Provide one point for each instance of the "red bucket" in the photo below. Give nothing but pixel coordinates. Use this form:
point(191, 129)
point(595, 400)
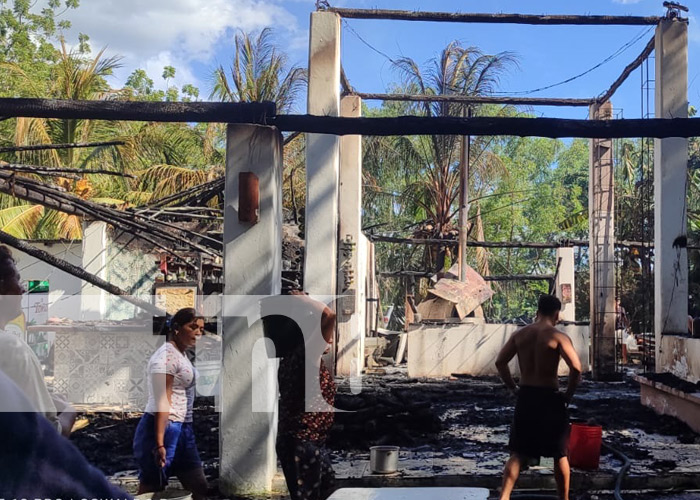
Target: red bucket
point(584, 446)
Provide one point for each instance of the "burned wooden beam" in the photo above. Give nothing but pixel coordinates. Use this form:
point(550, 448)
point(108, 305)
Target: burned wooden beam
point(215, 186)
point(466, 99)
point(50, 197)
point(648, 49)
point(291, 137)
point(198, 112)
point(76, 271)
point(58, 171)
point(480, 244)
point(449, 17)
point(510, 244)
point(43, 147)
point(490, 126)
point(344, 82)
point(263, 113)
point(507, 277)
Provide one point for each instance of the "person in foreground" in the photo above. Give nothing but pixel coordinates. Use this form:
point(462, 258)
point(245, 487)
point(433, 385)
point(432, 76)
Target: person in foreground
point(36, 461)
point(18, 361)
point(164, 441)
point(541, 422)
point(302, 433)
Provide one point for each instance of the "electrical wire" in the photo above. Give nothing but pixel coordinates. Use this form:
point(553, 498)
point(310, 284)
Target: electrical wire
point(359, 37)
point(614, 55)
point(580, 75)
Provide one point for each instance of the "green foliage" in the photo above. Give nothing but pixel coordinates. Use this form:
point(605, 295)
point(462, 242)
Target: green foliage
point(168, 73)
point(141, 85)
point(520, 189)
point(189, 92)
point(259, 72)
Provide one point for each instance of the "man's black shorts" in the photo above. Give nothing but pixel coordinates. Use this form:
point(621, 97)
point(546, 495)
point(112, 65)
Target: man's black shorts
point(541, 423)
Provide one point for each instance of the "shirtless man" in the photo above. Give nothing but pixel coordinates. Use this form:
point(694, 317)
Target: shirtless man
point(541, 423)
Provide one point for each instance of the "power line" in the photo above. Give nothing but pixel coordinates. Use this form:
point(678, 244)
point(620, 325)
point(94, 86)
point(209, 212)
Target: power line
point(615, 54)
point(359, 37)
point(604, 61)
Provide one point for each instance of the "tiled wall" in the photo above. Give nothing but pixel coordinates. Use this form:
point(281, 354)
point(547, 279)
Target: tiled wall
point(107, 366)
point(103, 367)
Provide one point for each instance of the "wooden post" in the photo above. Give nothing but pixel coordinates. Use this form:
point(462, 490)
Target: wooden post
point(464, 205)
point(601, 200)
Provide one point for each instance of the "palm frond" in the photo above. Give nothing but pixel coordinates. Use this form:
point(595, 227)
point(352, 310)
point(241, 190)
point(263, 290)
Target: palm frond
point(21, 221)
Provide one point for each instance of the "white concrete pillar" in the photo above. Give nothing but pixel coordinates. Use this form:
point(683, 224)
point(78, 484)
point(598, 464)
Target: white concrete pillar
point(670, 185)
point(601, 209)
point(350, 350)
point(93, 300)
point(565, 283)
point(252, 266)
point(322, 157)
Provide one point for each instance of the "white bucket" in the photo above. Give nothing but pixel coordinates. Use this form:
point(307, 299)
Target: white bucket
point(384, 459)
point(172, 494)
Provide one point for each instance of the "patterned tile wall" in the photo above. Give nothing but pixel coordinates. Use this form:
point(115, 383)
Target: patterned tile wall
point(104, 367)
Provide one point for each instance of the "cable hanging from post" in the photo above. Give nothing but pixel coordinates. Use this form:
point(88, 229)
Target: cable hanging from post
point(590, 70)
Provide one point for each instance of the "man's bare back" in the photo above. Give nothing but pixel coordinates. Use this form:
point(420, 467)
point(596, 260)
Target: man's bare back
point(541, 421)
point(539, 348)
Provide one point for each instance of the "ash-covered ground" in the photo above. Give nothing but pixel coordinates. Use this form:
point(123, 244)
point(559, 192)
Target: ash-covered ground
point(442, 426)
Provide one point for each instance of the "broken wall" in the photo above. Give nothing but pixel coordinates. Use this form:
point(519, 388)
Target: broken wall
point(132, 266)
point(472, 348)
point(64, 288)
point(129, 265)
point(681, 357)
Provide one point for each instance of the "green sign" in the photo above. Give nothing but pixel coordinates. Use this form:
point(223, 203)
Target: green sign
point(37, 286)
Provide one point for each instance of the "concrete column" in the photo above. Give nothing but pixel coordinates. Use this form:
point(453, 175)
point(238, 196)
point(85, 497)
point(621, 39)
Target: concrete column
point(323, 163)
point(349, 315)
point(670, 185)
point(322, 157)
point(252, 266)
point(565, 283)
point(93, 300)
point(601, 200)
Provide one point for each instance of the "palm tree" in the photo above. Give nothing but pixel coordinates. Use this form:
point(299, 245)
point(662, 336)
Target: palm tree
point(259, 72)
point(432, 184)
point(73, 77)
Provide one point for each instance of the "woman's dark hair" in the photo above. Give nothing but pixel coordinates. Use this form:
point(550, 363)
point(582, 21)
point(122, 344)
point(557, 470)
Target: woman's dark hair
point(182, 317)
point(284, 333)
point(7, 265)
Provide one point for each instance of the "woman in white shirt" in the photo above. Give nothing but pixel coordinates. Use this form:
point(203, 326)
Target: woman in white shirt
point(164, 441)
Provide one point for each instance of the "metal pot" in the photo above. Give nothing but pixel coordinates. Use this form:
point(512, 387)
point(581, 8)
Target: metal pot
point(384, 459)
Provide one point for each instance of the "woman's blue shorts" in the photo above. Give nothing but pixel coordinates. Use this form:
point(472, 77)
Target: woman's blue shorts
point(181, 450)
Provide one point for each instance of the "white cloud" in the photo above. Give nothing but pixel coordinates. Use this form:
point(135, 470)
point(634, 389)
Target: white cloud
point(158, 33)
point(627, 2)
point(154, 67)
point(192, 28)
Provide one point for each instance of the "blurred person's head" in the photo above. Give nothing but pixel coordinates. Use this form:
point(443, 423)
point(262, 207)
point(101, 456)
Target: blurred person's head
point(548, 307)
point(11, 288)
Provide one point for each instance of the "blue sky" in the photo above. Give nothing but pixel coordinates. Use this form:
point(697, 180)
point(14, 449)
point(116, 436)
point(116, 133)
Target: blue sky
point(196, 35)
